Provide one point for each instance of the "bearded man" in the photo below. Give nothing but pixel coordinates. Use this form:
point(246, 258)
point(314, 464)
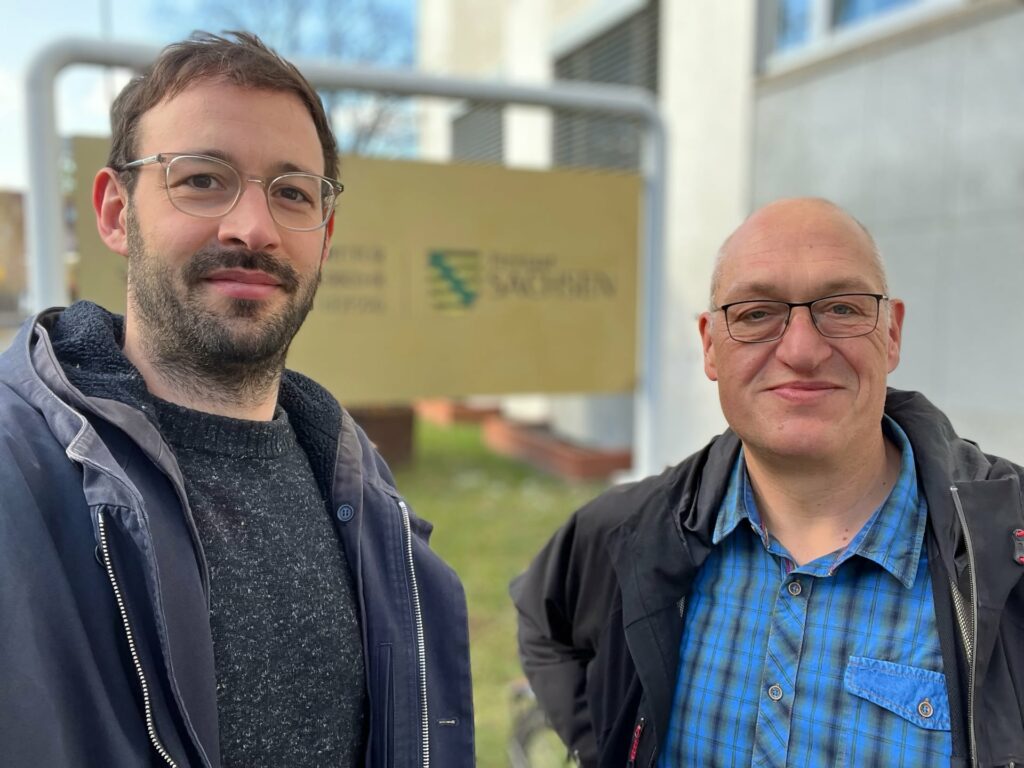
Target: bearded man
point(203, 560)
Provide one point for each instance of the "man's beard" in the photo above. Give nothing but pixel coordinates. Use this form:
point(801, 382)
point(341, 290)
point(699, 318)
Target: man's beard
point(231, 356)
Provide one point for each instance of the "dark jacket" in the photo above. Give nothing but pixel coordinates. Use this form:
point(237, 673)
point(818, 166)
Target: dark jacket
point(106, 656)
point(601, 607)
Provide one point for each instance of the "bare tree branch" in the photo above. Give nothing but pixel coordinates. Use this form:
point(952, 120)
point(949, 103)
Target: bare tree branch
point(349, 31)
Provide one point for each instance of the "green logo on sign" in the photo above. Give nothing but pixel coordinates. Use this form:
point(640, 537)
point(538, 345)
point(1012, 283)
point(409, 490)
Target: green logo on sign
point(454, 279)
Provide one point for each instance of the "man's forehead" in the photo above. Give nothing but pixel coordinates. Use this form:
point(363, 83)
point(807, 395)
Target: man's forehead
point(810, 242)
point(779, 289)
point(777, 273)
point(797, 222)
point(226, 120)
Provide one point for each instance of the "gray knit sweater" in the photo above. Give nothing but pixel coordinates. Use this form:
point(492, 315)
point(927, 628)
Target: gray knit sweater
point(286, 636)
point(284, 616)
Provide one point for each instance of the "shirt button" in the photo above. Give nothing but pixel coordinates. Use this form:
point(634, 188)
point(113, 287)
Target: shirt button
point(795, 589)
point(925, 709)
point(775, 693)
point(346, 512)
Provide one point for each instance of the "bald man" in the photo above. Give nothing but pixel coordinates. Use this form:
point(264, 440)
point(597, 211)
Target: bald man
point(836, 580)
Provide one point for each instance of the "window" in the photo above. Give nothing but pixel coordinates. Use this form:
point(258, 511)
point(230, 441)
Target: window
point(851, 11)
point(789, 26)
point(794, 26)
point(478, 135)
point(626, 54)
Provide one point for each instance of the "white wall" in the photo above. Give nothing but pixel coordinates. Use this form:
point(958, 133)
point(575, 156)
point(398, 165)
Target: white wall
point(707, 65)
point(434, 48)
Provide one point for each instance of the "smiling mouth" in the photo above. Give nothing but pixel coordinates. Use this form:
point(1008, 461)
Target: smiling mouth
point(803, 391)
point(243, 283)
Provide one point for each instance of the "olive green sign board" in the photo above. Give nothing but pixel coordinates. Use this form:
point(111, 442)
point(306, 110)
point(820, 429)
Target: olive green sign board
point(448, 280)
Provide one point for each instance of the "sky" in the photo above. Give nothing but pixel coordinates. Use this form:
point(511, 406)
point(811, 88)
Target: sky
point(82, 92)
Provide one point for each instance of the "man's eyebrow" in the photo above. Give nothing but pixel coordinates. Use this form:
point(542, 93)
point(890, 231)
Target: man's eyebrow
point(762, 290)
point(285, 167)
point(278, 168)
point(217, 153)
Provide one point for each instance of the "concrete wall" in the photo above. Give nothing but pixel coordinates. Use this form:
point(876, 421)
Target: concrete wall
point(707, 66)
point(922, 138)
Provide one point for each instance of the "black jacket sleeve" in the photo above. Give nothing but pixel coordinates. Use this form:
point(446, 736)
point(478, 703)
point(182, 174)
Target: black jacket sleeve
point(564, 600)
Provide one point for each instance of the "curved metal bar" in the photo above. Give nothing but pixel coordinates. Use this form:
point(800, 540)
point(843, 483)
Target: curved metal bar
point(44, 209)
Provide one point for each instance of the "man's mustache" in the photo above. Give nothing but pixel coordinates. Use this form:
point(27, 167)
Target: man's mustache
point(209, 260)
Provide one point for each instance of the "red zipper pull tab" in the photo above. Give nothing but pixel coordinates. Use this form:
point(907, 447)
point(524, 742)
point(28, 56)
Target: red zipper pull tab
point(634, 747)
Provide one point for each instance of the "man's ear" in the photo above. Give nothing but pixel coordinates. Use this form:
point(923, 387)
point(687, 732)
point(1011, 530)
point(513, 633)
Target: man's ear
point(897, 309)
point(110, 201)
point(705, 325)
point(328, 234)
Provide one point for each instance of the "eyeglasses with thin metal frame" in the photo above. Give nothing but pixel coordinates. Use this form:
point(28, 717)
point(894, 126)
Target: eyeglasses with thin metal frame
point(208, 187)
point(840, 316)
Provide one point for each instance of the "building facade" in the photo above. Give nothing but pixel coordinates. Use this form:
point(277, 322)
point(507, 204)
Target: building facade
point(907, 112)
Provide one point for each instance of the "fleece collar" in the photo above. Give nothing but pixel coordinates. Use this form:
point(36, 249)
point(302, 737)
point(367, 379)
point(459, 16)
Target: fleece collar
point(88, 340)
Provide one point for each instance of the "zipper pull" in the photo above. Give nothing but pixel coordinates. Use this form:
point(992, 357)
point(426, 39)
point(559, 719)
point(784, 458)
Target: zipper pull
point(634, 747)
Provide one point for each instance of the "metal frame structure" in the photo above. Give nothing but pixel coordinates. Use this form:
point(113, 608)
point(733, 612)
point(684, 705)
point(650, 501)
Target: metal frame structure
point(45, 226)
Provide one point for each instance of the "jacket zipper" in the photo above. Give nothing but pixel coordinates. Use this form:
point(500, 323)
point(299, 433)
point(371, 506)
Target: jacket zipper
point(641, 724)
point(638, 730)
point(968, 624)
point(147, 705)
point(421, 645)
point(634, 745)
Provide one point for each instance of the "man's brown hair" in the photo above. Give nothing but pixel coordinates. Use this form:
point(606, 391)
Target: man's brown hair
point(240, 58)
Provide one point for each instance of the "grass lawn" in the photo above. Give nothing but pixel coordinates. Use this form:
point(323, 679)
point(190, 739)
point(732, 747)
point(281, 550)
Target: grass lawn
point(490, 516)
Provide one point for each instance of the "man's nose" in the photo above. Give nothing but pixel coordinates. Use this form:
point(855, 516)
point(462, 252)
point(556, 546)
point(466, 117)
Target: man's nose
point(802, 347)
point(249, 223)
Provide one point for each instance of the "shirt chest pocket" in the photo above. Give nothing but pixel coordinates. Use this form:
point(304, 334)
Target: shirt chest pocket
point(895, 714)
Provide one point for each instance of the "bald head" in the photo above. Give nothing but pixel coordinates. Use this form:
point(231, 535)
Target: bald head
point(810, 219)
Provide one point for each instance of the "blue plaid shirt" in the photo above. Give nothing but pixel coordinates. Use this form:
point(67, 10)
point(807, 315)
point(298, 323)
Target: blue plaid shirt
point(835, 662)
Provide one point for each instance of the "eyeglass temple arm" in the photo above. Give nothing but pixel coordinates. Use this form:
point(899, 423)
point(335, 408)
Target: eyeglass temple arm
point(142, 161)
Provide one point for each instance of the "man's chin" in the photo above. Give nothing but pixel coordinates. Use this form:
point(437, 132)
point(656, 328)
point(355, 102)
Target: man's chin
point(230, 308)
point(245, 331)
point(243, 334)
point(798, 439)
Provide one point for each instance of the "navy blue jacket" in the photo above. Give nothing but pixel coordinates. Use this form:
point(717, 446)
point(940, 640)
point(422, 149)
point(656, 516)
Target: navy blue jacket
point(106, 657)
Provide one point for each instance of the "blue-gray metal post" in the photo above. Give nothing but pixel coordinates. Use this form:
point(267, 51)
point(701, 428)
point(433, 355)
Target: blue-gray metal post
point(44, 211)
point(45, 228)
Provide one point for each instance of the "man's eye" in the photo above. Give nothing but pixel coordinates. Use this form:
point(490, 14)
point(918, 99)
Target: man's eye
point(203, 181)
point(843, 310)
point(293, 196)
point(291, 193)
point(756, 314)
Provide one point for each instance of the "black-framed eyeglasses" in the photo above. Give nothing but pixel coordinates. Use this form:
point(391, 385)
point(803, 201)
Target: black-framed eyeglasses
point(841, 316)
point(210, 188)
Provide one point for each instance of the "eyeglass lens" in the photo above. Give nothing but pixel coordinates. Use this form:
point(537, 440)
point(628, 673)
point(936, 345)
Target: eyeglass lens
point(835, 316)
point(205, 187)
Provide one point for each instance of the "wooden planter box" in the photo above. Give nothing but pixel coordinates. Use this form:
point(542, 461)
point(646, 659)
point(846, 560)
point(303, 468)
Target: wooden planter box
point(391, 428)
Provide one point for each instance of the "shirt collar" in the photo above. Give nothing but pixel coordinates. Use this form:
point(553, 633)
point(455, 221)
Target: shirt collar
point(892, 536)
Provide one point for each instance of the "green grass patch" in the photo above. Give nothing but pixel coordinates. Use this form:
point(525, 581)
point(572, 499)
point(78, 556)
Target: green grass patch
point(491, 516)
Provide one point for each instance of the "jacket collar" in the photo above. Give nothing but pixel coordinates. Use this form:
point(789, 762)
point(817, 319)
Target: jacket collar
point(989, 489)
point(337, 449)
point(989, 486)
